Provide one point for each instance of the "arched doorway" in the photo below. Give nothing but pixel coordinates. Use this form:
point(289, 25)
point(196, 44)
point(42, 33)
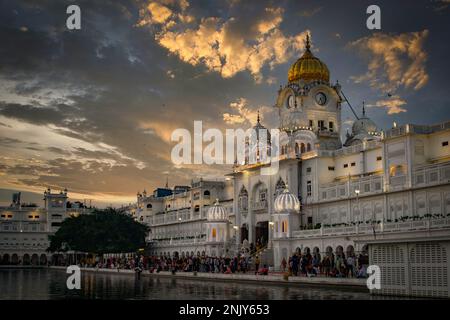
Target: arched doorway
point(26, 259)
point(5, 259)
point(365, 249)
point(262, 232)
point(339, 251)
point(350, 251)
point(15, 259)
point(43, 259)
point(316, 255)
point(34, 259)
point(244, 232)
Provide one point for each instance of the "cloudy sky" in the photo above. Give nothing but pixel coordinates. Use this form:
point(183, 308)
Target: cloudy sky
point(93, 109)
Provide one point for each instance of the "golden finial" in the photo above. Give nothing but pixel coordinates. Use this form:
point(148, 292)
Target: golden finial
point(308, 45)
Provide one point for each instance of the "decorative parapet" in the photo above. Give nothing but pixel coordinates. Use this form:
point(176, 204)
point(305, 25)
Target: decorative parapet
point(413, 128)
point(383, 228)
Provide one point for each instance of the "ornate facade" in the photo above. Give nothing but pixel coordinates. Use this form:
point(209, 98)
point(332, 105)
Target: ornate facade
point(24, 229)
point(392, 184)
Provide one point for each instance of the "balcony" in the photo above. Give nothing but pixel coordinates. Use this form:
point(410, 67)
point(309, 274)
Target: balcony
point(383, 228)
point(358, 148)
point(419, 129)
point(259, 206)
point(341, 190)
point(177, 217)
point(179, 242)
point(431, 175)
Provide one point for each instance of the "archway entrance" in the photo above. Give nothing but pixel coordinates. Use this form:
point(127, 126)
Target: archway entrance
point(244, 232)
point(262, 233)
point(43, 259)
point(34, 259)
point(26, 259)
point(15, 259)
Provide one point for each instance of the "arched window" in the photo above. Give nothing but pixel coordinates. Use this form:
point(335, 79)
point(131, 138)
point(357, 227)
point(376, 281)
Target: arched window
point(284, 226)
point(206, 194)
point(243, 199)
point(197, 208)
point(149, 206)
point(297, 149)
point(214, 233)
point(279, 187)
point(308, 147)
point(302, 148)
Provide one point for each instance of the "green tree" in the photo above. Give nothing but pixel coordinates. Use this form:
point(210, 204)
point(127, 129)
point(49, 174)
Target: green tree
point(102, 231)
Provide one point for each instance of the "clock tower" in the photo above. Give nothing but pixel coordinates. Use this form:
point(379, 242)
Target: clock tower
point(309, 106)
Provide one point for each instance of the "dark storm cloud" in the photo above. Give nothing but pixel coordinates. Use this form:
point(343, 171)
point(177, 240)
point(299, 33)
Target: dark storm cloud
point(33, 114)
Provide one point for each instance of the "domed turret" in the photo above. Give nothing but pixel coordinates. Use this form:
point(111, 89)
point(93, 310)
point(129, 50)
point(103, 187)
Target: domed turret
point(308, 67)
point(364, 124)
point(363, 129)
point(286, 202)
point(256, 130)
point(217, 212)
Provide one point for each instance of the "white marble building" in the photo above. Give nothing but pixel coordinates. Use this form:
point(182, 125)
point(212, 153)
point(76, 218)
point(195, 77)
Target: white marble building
point(24, 230)
point(388, 184)
point(178, 218)
point(374, 185)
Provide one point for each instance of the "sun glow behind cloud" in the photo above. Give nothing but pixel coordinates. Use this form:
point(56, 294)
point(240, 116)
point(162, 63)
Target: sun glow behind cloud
point(214, 43)
point(396, 62)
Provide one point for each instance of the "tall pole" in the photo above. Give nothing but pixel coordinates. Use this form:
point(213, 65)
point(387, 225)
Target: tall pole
point(351, 108)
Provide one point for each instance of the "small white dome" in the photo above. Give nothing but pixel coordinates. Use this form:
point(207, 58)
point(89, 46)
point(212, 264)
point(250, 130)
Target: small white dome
point(286, 202)
point(217, 212)
point(364, 125)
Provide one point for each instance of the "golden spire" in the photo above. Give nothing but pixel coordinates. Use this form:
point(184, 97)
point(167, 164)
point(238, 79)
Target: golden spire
point(308, 45)
point(308, 67)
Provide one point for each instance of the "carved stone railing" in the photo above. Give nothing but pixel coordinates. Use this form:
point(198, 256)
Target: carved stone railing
point(260, 205)
point(386, 227)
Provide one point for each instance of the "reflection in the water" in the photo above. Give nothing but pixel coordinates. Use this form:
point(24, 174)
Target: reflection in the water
point(46, 284)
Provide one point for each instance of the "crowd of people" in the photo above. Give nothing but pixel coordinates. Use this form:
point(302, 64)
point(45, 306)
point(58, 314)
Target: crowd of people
point(210, 264)
point(298, 264)
point(331, 265)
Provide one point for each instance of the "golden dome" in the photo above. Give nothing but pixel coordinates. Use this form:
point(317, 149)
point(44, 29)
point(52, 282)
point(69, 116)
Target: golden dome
point(308, 67)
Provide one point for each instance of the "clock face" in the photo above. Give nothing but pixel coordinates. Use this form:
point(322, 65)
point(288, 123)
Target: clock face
point(291, 101)
point(321, 98)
